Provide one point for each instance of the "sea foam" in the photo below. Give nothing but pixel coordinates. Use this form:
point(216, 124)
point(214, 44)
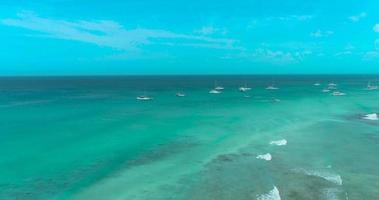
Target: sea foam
point(272, 195)
point(331, 194)
point(279, 142)
point(372, 116)
point(266, 156)
point(331, 177)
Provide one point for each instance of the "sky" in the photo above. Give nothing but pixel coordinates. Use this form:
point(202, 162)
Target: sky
point(92, 37)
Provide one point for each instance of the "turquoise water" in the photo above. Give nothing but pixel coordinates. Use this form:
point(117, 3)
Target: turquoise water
point(88, 138)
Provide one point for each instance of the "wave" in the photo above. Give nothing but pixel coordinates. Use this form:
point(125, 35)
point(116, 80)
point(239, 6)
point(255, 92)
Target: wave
point(25, 103)
point(272, 195)
point(279, 142)
point(331, 177)
point(334, 194)
point(266, 156)
point(372, 116)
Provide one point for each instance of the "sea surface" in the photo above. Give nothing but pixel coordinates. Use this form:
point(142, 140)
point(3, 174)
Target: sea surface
point(87, 138)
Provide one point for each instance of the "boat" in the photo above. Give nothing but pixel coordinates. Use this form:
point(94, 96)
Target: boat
point(214, 91)
point(325, 90)
point(332, 86)
point(337, 93)
point(317, 84)
point(144, 98)
point(371, 87)
point(271, 87)
point(244, 89)
point(372, 116)
point(219, 88)
point(180, 94)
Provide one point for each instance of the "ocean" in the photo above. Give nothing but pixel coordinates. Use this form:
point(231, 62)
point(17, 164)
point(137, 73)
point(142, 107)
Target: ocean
point(89, 138)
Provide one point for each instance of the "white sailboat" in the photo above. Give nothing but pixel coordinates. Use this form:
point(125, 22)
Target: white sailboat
point(337, 93)
point(332, 86)
point(180, 94)
point(244, 88)
point(325, 90)
point(272, 87)
point(218, 87)
point(371, 87)
point(144, 98)
point(214, 91)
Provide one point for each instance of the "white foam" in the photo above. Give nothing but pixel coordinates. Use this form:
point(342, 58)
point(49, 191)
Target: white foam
point(331, 194)
point(372, 116)
point(266, 156)
point(331, 177)
point(279, 142)
point(272, 195)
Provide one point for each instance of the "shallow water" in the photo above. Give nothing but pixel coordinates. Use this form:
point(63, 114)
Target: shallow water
point(88, 138)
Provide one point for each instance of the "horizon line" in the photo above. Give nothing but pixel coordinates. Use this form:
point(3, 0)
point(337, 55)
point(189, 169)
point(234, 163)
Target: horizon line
point(136, 75)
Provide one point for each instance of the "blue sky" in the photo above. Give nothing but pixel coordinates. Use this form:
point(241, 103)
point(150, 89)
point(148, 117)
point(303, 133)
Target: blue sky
point(57, 37)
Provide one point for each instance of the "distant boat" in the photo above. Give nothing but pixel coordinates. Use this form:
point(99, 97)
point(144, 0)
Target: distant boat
point(214, 91)
point(332, 86)
point(317, 84)
point(144, 98)
point(180, 94)
point(219, 88)
point(371, 87)
point(337, 93)
point(272, 87)
point(244, 88)
point(325, 90)
point(372, 116)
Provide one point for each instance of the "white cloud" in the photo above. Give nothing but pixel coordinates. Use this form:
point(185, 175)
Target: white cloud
point(371, 55)
point(276, 56)
point(376, 28)
point(300, 55)
point(265, 54)
point(349, 47)
point(374, 54)
point(292, 17)
point(348, 50)
point(343, 53)
point(207, 30)
point(210, 30)
point(357, 18)
point(320, 33)
point(303, 17)
point(109, 33)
